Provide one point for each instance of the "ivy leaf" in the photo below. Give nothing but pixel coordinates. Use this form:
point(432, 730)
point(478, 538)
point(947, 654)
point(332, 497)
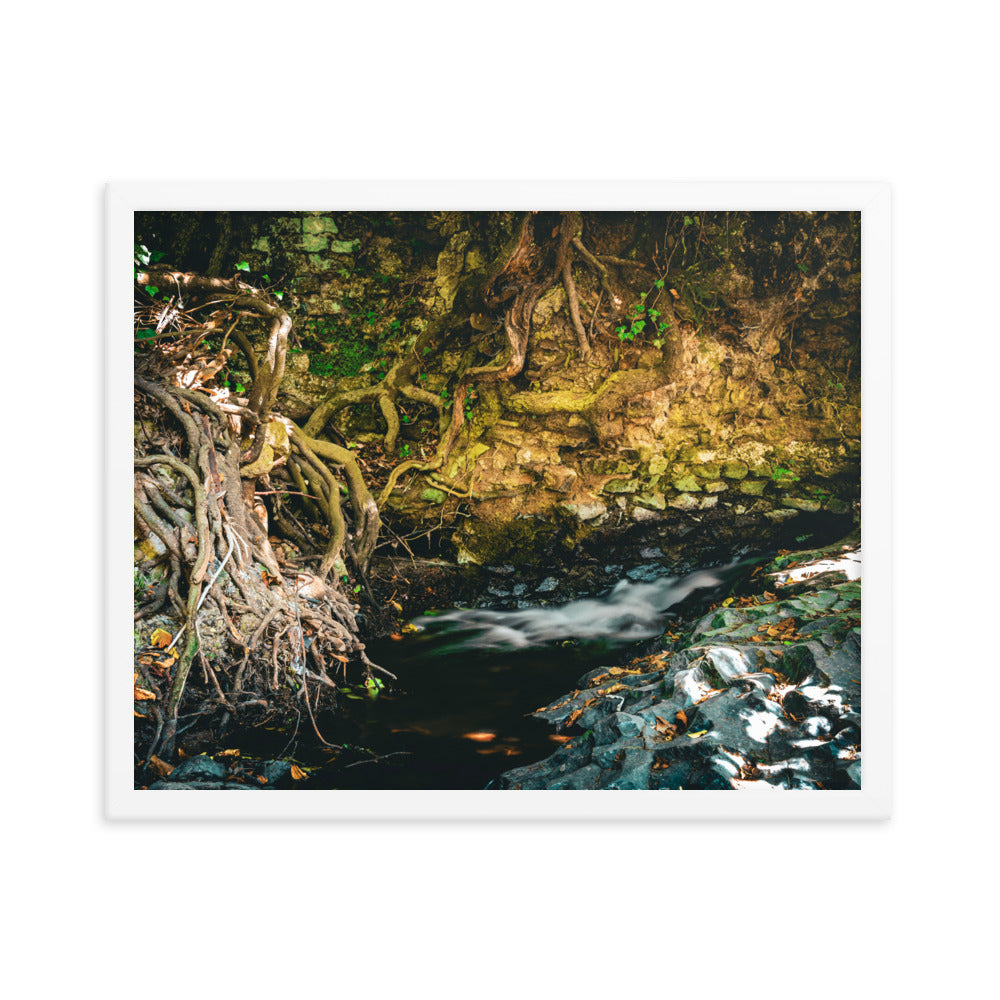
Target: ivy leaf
point(145, 334)
point(242, 266)
point(152, 289)
point(279, 295)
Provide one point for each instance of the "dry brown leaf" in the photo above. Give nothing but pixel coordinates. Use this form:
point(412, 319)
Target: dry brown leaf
point(141, 694)
point(483, 737)
point(161, 767)
point(297, 773)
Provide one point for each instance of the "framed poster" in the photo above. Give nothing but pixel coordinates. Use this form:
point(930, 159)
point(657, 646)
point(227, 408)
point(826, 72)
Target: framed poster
point(449, 498)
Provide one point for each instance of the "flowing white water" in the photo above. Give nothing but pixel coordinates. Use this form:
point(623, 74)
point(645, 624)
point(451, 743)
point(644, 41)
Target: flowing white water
point(629, 613)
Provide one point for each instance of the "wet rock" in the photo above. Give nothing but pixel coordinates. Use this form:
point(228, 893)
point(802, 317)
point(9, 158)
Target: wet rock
point(165, 785)
point(641, 515)
point(780, 515)
point(687, 484)
point(315, 225)
point(802, 503)
point(621, 486)
point(684, 501)
point(201, 768)
point(707, 717)
point(584, 511)
point(652, 501)
point(275, 770)
point(559, 478)
point(735, 470)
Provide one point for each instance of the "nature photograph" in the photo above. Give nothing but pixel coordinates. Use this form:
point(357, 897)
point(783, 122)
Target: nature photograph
point(501, 500)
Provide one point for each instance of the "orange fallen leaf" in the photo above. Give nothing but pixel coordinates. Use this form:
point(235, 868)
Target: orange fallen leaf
point(141, 694)
point(682, 716)
point(483, 737)
point(297, 773)
point(161, 767)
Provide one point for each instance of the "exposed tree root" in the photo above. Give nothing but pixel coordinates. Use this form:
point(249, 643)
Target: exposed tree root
point(274, 629)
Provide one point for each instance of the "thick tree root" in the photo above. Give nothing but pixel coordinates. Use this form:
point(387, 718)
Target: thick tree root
point(283, 629)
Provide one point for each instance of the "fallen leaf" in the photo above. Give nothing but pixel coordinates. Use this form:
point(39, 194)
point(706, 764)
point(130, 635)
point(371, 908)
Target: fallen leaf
point(483, 737)
point(141, 694)
point(297, 773)
point(161, 767)
point(161, 638)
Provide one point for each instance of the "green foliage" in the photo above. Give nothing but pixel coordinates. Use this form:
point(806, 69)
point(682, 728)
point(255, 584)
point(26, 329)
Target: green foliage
point(142, 256)
point(370, 689)
point(644, 317)
point(781, 473)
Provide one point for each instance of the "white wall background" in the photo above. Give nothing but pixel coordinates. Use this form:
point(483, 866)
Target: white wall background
point(727, 91)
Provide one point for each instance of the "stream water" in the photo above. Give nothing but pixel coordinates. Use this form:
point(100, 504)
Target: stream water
point(459, 713)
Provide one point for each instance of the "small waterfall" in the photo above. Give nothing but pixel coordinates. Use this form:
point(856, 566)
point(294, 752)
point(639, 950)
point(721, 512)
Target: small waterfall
point(631, 612)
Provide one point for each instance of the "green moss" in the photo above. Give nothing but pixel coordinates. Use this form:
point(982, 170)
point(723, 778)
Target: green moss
point(514, 542)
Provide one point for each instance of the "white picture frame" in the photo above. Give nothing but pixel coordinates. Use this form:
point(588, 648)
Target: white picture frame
point(873, 801)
